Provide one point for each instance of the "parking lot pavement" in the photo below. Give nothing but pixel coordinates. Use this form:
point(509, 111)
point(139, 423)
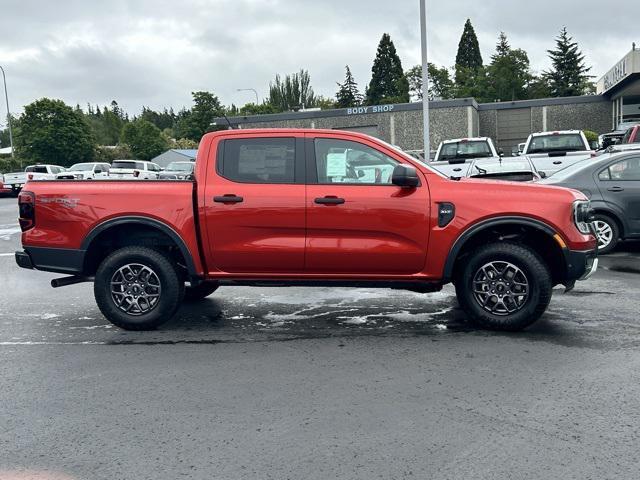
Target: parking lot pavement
point(316, 383)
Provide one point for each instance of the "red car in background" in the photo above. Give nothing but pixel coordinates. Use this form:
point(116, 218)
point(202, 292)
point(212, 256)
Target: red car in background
point(632, 135)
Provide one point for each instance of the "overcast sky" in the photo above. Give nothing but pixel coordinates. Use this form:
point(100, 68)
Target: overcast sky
point(155, 52)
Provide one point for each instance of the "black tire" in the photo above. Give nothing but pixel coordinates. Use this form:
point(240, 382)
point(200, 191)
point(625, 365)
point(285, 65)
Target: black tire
point(199, 292)
point(166, 304)
point(601, 218)
point(526, 309)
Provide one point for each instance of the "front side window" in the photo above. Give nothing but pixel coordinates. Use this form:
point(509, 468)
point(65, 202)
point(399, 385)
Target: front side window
point(259, 160)
point(624, 170)
point(342, 161)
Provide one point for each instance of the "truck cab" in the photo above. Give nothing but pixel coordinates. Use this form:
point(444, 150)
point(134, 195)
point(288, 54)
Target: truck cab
point(454, 157)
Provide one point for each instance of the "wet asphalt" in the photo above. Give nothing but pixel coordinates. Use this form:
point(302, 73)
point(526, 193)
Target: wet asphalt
point(306, 383)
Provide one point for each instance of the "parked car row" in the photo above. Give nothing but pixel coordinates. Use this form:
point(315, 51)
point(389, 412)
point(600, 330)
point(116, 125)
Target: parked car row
point(610, 178)
point(119, 169)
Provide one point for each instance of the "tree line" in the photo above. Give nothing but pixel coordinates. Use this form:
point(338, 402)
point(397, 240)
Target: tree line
point(49, 131)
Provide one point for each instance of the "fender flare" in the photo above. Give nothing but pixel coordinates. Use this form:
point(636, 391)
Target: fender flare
point(149, 222)
point(484, 225)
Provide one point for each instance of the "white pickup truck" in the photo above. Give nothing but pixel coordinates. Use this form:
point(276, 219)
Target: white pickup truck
point(452, 155)
point(553, 151)
point(16, 180)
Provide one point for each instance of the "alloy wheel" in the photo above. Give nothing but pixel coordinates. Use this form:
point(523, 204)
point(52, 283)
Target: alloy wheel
point(604, 232)
point(135, 289)
point(500, 288)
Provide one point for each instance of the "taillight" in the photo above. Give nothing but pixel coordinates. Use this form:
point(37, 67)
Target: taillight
point(136, 173)
point(30, 177)
point(27, 208)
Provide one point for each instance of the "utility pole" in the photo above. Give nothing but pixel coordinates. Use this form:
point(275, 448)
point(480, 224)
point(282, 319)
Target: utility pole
point(425, 79)
point(6, 97)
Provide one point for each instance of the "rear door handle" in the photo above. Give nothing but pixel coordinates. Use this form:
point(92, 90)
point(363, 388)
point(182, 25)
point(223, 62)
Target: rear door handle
point(329, 201)
point(557, 162)
point(616, 189)
point(228, 199)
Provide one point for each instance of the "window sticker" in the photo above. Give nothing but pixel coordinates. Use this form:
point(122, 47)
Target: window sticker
point(337, 164)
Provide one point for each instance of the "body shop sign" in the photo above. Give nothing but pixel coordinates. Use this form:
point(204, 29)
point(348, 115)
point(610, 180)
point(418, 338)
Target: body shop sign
point(370, 109)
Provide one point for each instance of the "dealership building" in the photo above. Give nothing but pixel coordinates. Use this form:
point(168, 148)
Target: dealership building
point(508, 123)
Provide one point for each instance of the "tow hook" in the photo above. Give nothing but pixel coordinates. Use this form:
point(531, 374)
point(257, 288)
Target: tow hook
point(72, 280)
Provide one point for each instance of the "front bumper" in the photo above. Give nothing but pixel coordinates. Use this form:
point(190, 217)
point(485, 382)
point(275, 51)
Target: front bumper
point(581, 265)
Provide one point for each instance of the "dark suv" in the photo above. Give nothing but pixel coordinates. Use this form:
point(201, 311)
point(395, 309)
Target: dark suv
point(612, 183)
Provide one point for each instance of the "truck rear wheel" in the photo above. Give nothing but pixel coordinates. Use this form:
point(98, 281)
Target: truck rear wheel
point(137, 288)
point(199, 292)
point(504, 286)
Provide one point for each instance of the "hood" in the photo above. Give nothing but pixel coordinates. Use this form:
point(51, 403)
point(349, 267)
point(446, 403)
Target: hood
point(516, 189)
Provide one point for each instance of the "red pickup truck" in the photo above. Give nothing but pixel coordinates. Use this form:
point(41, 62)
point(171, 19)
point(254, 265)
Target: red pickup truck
point(310, 208)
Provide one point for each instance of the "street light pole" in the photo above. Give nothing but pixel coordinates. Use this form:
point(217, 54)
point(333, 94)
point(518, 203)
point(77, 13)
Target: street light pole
point(250, 90)
point(6, 97)
point(425, 79)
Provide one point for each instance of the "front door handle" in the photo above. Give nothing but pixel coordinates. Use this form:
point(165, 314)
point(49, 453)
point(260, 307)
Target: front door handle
point(557, 162)
point(329, 201)
point(230, 198)
point(616, 189)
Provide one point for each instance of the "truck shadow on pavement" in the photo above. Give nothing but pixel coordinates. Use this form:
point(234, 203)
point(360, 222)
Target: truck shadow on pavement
point(226, 319)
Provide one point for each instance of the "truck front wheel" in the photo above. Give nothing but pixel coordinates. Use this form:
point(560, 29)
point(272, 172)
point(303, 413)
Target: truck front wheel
point(137, 288)
point(504, 286)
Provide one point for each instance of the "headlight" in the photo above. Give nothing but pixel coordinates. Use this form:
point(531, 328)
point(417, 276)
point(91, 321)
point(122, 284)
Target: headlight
point(582, 215)
point(181, 177)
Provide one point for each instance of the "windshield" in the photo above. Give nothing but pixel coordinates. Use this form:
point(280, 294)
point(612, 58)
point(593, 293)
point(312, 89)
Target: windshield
point(465, 149)
point(180, 167)
point(556, 142)
point(81, 167)
point(128, 164)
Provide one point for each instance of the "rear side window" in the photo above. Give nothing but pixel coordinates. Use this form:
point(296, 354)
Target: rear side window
point(624, 170)
point(259, 160)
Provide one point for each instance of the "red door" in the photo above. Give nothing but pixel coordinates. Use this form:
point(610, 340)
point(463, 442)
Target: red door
point(357, 221)
point(255, 205)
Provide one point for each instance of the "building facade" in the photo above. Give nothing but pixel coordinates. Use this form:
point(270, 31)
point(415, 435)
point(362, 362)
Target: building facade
point(507, 123)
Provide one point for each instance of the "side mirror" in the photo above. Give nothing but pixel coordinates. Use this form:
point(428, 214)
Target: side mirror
point(543, 174)
point(595, 145)
point(501, 152)
point(405, 176)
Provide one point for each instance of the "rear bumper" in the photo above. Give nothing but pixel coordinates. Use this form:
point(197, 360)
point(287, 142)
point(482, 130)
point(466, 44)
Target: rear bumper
point(580, 264)
point(59, 260)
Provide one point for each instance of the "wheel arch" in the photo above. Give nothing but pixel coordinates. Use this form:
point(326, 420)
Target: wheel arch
point(113, 231)
point(539, 236)
point(615, 216)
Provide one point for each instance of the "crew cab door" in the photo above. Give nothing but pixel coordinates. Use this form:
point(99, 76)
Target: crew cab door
point(358, 222)
point(254, 204)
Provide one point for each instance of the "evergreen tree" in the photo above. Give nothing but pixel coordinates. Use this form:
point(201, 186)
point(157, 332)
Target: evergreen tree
point(569, 74)
point(292, 93)
point(348, 94)
point(468, 58)
point(194, 123)
point(508, 74)
point(388, 83)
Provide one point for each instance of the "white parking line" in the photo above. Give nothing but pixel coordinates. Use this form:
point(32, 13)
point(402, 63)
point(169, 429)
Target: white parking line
point(7, 254)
